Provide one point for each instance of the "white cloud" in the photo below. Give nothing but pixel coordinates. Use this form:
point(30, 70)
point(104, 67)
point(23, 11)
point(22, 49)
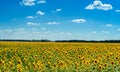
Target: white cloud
point(109, 25)
point(90, 7)
point(105, 31)
point(41, 2)
point(28, 2)
point(65, 33)
point(97, 4)
point(8, 31)
point(117, 10)
point(94, 32)
point(32, 23)
point(79, 20)
point(20, 29)
point(118, 30)
point(59, 9)
point(34, 29)
point(40, 13)
point(61, 33)
point(43, 28)
point(68, 33)
point(32, 2)
point(30, 17)
point(51, 23)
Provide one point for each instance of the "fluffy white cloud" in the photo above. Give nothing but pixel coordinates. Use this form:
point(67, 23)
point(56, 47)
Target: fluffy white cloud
point(117, 10)
point(94, 32)
point(59, 9)
point(30, 17)
point(41, 2)
point(79, 20)
point(40, 13)
point(7, 31)
point(97, 4)
point(12, 33)
point(20, 29)
point(50, 23)
point(61, 33)
point(28, 2)
point(68, 33)
point(43, 28)
point(108, 25)
point(106, 32)
point(65, 33)
point(118, 30)
point(34, 29)
point(32, 2)
point(33, 24)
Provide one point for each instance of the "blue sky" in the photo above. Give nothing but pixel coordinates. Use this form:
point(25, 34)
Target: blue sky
point(60, 19)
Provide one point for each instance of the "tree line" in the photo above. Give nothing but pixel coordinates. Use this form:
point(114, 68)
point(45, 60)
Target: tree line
point(46, 40)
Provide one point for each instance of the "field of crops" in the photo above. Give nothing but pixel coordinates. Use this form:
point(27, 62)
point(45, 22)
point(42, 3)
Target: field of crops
point(59, 57)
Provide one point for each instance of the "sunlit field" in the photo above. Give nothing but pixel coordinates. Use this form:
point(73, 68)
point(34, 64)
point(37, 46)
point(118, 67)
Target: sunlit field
point(59, 57)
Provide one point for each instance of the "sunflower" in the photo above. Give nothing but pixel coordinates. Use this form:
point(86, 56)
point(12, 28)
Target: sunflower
point(100, 67)
point(19, 68)
point(112, 62)
point(105, 65)
point(43, 57)
point(95, 61)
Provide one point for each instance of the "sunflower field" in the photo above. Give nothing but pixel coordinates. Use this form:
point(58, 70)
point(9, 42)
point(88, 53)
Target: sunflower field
point(59, 57)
